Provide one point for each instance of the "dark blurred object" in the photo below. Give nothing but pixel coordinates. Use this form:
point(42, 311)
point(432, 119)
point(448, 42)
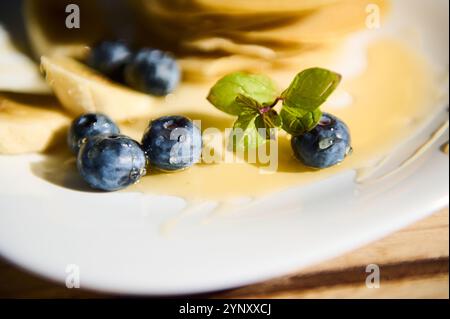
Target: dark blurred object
point(11, 18)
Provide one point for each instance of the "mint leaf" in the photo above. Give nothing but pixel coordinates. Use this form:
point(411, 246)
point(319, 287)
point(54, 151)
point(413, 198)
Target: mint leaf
point(227, 94)
point(247, 102)
point(245, 132)
point(266, 122)
point(311, 88)
point(302, 100)
point(297, 121)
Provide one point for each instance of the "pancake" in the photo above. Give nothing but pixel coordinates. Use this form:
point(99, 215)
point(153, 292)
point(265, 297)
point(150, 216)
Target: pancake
point(45, 23)
point(330, 23)
point(30, 123)
point(209, 37)
point(239, 7)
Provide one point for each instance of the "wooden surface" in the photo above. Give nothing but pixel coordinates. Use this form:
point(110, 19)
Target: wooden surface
point(413, 264)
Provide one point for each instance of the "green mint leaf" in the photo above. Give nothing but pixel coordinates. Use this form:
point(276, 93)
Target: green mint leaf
point(247, 102)
point(273, 120)
point(266, 122)
point(297, 121)
point(245, 132)
point(310, 89)
point(227, 94)
point(302, 100)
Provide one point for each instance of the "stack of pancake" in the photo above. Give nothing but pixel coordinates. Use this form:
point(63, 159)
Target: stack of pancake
point(214, 37)
point(210, 37)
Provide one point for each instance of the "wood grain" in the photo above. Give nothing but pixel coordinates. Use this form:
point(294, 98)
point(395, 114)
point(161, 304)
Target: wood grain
point(414, 263)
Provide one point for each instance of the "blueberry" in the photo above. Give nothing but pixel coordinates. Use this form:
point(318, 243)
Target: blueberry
point(172, 143)
point(110, 58)
point(87, 126)
point(112, 162)
point(153, 71)
point(326, 145)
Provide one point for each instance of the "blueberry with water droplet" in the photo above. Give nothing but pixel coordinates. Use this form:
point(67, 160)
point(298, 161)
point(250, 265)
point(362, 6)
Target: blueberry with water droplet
point(87, 126)
point(326, 145)
point(112, 162)
point(110, 59)
point(153, 71)
point(172, 143)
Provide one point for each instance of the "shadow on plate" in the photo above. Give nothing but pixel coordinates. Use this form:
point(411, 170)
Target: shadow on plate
point(58, 167)
point(287, 163)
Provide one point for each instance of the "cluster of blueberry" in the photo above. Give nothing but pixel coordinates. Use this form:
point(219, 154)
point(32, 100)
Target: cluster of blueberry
point(148, 70)
point(110, 161)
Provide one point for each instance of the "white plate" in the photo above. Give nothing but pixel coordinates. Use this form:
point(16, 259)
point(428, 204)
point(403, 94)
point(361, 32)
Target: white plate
point(116, 239)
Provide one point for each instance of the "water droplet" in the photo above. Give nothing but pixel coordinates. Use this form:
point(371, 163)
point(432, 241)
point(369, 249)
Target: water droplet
point(82, 141)
point(326, 143)
point(173, 160)
point(349, 151)
point(135, 173)
point(168, 124)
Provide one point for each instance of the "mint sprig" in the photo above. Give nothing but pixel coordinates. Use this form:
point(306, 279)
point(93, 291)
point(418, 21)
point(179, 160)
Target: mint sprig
point(253, 98)
point(229, 93)
point(254, 122)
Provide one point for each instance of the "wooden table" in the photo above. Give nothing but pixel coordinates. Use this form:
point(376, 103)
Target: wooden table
point(413, 263)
